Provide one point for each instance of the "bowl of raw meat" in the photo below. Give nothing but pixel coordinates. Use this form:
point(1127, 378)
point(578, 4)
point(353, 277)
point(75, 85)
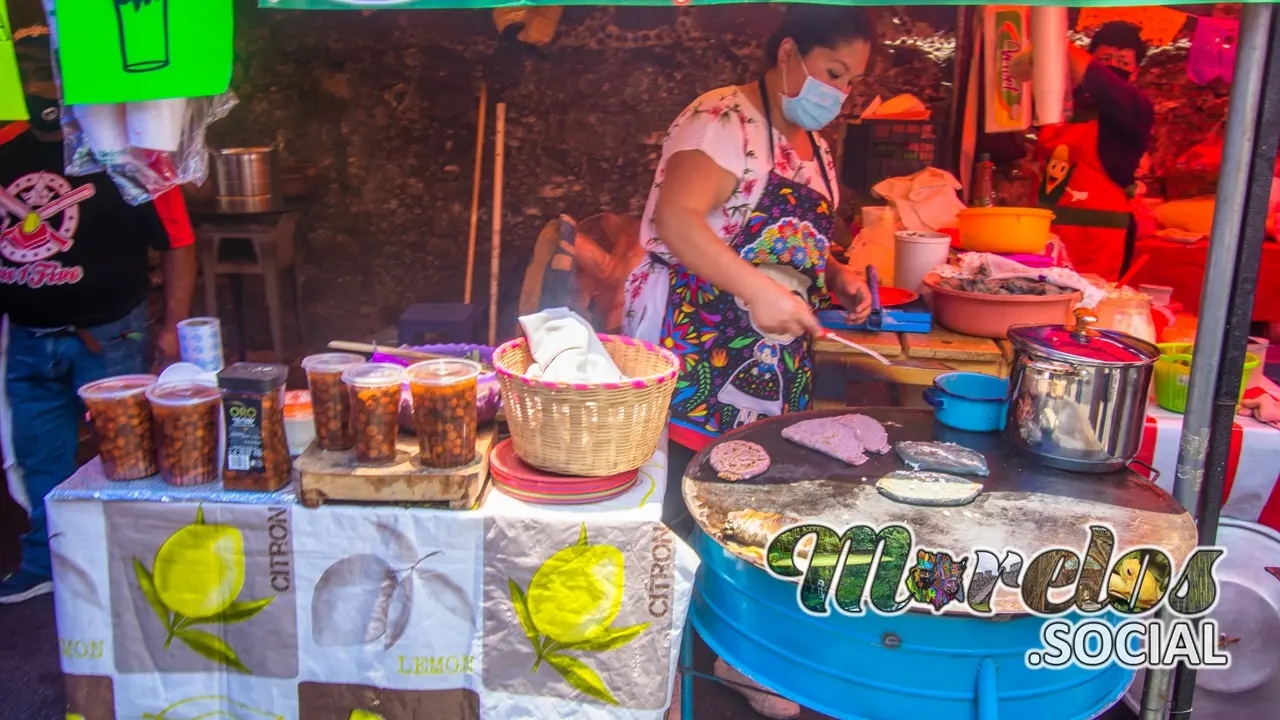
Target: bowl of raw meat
point(987, 308)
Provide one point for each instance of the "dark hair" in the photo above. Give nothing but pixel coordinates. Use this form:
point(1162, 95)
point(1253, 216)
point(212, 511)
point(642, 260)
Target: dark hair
point(1122, 35)
point(812, 26)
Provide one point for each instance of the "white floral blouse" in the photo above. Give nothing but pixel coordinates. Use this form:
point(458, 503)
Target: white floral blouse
point(730, 130)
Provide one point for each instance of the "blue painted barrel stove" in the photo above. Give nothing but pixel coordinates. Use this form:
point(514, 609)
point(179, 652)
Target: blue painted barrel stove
point(875, 667)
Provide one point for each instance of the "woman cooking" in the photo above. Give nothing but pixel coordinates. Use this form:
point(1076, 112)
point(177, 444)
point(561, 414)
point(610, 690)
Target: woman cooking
point(737, 227)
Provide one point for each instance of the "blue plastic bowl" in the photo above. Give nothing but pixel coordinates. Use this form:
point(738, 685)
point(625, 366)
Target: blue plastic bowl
point(969, 401)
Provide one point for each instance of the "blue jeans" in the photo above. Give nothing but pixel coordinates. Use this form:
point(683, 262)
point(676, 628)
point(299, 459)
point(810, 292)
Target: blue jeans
point(44, 372)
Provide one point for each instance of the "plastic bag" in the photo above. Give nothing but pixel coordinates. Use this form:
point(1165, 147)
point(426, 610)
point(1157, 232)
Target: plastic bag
point(148, 148)
point(942, 457)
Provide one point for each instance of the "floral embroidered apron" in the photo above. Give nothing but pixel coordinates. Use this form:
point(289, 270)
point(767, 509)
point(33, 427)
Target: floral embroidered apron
point(732, 373)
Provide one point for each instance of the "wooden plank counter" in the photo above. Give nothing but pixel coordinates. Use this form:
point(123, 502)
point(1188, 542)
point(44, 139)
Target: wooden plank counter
point(939, 351)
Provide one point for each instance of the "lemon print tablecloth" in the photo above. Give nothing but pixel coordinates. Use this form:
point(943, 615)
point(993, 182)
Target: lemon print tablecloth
point(179, 603)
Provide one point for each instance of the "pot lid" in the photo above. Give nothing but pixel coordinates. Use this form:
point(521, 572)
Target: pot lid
point(1083, 343)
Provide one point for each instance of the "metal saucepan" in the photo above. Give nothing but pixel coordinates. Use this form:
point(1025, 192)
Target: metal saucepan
point(1078, 396)
point(246, 179)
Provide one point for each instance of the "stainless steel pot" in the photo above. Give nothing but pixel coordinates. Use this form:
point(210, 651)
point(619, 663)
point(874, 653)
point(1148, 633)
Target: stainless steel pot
point(246, 179)
point(1078, 396)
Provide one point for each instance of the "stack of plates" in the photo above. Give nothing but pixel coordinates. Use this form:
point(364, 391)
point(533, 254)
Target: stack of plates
point(516, 479)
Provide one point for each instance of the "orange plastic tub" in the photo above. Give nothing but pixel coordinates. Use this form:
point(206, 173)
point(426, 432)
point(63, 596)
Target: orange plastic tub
point(1005, 229)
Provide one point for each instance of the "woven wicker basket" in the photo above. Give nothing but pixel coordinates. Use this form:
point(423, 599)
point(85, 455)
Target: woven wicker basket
point(588, 429)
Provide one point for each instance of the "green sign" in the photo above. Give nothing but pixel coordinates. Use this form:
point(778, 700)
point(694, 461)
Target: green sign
point(445, 4)
point(125, 50)
point(12, 104)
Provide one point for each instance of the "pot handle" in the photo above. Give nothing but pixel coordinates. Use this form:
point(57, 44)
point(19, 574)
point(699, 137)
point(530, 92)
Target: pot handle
point(1155, 474)
point(934, 398)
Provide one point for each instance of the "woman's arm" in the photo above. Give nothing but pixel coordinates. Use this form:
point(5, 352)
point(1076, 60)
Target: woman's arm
point(177, 241)
point(694, 186)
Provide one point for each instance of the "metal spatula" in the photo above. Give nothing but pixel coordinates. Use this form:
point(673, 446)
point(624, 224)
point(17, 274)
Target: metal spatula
point(905, 363)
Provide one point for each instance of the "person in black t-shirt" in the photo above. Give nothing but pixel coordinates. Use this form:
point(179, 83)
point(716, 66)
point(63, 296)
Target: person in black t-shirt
point(74, 285)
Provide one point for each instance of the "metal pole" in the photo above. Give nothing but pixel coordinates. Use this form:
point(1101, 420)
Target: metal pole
point(1224, 249)
point(1253, 231)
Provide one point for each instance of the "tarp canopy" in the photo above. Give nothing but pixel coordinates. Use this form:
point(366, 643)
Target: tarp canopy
point(454, 4)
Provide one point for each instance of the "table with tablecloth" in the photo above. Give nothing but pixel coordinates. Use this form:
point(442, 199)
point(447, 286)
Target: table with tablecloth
point(1181, 266)
point(1253, 467)
point(198, 602)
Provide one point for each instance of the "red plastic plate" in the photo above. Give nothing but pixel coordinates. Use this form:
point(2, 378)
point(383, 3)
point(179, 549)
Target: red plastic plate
point(891, 296)
point(510, 471)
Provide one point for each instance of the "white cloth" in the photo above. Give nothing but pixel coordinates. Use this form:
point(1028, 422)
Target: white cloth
point(1000, 268)
point(926, 200)
point(566, 349)
point(13, 473)
point(725, 126)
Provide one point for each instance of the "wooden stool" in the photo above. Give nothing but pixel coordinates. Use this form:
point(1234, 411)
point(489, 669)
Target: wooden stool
point(239, 245)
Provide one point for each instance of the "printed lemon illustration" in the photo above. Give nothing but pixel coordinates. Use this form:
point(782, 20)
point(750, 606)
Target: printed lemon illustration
point(74, 716)
point(359, 714)
point(196, 580)
point(199, 570)
point(573, 599)
point(577, 593)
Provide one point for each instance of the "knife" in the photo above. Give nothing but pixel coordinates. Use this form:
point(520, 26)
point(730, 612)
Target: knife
point(875, 321)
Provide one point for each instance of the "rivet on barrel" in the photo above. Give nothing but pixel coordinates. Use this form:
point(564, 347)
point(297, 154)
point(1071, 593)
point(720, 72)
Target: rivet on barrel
point(891, 640)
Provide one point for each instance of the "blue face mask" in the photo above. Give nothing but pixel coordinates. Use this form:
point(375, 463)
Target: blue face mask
point(817, 104)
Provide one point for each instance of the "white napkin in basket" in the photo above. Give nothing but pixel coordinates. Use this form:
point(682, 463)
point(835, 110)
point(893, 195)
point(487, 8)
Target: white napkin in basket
point(565, 348)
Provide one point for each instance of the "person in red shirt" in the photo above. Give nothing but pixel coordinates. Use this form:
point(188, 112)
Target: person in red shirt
point(74, 282)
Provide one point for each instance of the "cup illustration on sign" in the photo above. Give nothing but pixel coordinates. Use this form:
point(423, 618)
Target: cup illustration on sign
point(195, 580)
point(572, 601)
point(365, 599)
point(210, 706)
point(144, 34)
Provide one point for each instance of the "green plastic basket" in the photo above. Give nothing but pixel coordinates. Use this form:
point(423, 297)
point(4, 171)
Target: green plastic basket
point(1173, 375)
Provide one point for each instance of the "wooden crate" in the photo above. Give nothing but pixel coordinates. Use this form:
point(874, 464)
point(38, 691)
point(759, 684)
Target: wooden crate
point(337, 477)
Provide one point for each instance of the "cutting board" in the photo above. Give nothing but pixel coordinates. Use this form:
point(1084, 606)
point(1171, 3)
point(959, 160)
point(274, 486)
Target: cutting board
point(944, 344)
point(337, 477)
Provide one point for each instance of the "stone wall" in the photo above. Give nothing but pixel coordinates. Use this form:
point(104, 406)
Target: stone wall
point(384, 104)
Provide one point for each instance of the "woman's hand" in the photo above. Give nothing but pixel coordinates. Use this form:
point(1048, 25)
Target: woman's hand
point(850, 290)
point(1264, 408)
point(776, 310)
